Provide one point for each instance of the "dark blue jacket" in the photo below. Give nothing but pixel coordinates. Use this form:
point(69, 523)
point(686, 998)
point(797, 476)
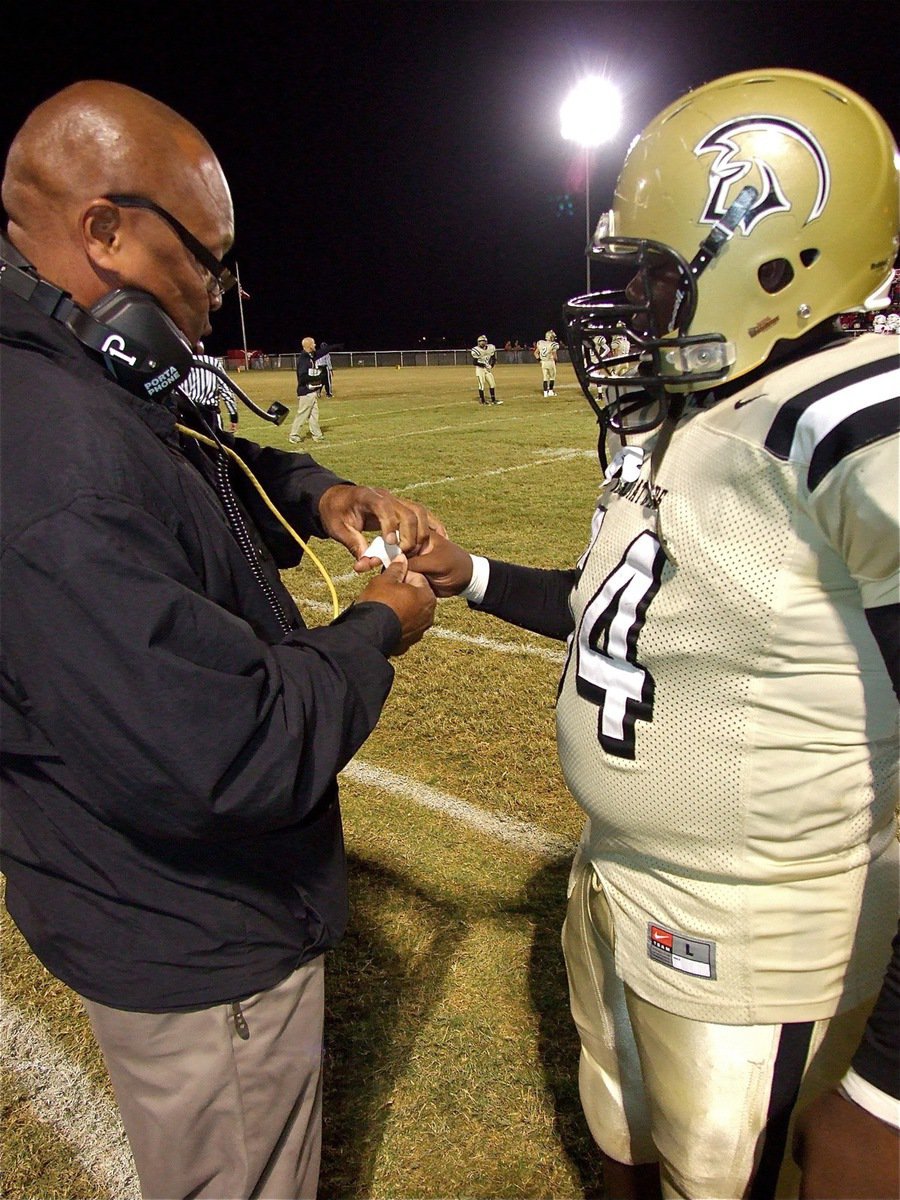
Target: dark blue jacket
point(171, 834)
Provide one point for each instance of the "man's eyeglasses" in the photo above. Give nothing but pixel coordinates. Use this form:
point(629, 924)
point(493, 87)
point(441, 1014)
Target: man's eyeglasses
point(222, 278)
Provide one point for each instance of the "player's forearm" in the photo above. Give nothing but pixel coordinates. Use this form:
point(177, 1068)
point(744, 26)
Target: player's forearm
point(530, 597)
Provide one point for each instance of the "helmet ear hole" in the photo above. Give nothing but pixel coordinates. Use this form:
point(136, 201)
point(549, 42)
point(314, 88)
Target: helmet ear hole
point(775, 275)
point(808, 257)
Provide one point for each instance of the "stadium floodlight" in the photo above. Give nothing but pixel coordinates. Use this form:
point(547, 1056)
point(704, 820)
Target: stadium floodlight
point(590, 115)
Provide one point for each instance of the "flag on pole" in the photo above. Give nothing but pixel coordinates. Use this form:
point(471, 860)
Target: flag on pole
point(241, 296)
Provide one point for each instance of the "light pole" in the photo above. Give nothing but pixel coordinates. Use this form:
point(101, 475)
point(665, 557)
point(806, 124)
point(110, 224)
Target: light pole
point(590, 115)
point(587, 211)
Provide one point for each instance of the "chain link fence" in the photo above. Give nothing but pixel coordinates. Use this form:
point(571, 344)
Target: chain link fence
point(346, 359)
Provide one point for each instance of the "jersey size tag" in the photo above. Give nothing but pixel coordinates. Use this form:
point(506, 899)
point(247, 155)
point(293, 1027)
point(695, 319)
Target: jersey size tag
point(680, 952)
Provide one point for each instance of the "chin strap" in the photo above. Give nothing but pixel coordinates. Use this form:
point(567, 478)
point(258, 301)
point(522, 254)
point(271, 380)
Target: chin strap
point(723, 230)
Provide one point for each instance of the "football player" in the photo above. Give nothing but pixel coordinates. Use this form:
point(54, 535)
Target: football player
point(484, 355)
point(545, 351)
point(725, 715)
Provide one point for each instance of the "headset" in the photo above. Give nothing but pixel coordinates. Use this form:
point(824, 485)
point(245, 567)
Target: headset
point(148, 355)
point(141, 346)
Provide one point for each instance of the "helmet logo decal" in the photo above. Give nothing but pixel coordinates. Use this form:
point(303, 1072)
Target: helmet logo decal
point(727, 169)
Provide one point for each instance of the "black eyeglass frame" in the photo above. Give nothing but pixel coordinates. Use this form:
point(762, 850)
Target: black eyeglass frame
point(223, 276)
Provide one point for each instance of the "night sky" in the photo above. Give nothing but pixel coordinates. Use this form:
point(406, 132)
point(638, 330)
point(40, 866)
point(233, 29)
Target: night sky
point(397, 168)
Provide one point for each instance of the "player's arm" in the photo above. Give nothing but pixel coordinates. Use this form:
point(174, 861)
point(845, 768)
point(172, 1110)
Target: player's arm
point(532, 598)
point(847, 1141)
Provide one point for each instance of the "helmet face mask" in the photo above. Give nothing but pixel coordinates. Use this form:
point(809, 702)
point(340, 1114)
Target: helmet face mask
point(747, 213)
point(641, 322)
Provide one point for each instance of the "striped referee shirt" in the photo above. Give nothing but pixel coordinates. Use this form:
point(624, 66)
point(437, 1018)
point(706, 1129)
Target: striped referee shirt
point(206, 390)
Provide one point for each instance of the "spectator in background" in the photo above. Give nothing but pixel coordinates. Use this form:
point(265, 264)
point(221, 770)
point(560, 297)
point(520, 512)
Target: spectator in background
point(208, 391)
point(545, 351)
point(323, 362)
point(484, 355)
point(309, 385)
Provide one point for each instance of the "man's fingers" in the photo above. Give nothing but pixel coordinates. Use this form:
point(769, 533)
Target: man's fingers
point(397, 571)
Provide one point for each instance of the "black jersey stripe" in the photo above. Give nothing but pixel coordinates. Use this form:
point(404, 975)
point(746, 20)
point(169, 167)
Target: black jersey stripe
point(790, 1063)
point(859, 429)
point(780, 437)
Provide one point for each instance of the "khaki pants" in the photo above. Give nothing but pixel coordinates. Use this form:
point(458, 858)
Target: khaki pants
point(711, 1103)
point(307, 413)
point(225, 1102)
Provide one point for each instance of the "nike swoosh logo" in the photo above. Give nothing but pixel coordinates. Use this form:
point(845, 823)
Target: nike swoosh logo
point(747, 400)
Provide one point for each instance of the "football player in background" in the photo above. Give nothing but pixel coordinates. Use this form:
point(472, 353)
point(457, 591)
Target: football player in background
point(484, 355)
point(545, 351)
point(725, 716)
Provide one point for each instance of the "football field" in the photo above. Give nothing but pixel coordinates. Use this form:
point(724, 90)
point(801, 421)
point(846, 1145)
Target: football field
point(451, 1059)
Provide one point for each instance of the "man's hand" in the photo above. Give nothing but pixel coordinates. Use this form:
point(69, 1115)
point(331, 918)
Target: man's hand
point(347, 509)
point(446, 566)
point(845, 1153)
point(410, 597)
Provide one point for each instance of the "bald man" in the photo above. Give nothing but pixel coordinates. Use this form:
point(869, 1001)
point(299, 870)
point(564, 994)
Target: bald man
point(310, 378)
point(172, 731)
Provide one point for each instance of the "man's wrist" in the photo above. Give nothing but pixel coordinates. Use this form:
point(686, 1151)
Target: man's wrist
point(477, 586)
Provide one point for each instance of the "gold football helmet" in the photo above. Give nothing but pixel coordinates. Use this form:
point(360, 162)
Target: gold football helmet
point(746, 214)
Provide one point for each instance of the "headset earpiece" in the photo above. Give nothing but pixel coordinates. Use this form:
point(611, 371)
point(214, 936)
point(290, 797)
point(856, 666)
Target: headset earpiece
point(142, 347)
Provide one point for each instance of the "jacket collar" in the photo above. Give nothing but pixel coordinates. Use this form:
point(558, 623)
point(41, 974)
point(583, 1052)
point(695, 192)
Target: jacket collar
point(24, 326)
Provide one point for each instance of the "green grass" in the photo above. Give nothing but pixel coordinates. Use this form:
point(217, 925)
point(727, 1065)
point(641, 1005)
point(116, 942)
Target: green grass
point(451, 1057)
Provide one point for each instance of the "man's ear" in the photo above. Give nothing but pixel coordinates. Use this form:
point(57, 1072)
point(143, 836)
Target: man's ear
point(101, 231)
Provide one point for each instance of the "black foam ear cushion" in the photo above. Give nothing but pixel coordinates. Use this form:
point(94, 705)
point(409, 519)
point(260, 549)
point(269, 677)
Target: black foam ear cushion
point(142, 347)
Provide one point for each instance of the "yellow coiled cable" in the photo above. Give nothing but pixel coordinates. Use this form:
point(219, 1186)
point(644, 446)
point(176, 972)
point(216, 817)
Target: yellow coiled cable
point(199, 437)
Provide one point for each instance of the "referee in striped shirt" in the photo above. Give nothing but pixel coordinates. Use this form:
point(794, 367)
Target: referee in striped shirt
point(207, 390)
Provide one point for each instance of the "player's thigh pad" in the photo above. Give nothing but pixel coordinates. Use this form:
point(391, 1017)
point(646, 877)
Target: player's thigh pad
point(609, 1071)
point(722, 1096)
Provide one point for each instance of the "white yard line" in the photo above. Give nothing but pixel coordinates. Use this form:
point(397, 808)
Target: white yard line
point(521, 834)
point(61, 1095)
point(557, 456)
point(467, 639)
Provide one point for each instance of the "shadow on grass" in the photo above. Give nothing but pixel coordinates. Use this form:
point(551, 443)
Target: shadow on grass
point(558, 1045)
point(376, 1001)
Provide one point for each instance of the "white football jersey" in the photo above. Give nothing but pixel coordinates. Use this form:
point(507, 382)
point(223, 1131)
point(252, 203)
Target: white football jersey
point(545, 349)
point(725, 718)
point(482, 355)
